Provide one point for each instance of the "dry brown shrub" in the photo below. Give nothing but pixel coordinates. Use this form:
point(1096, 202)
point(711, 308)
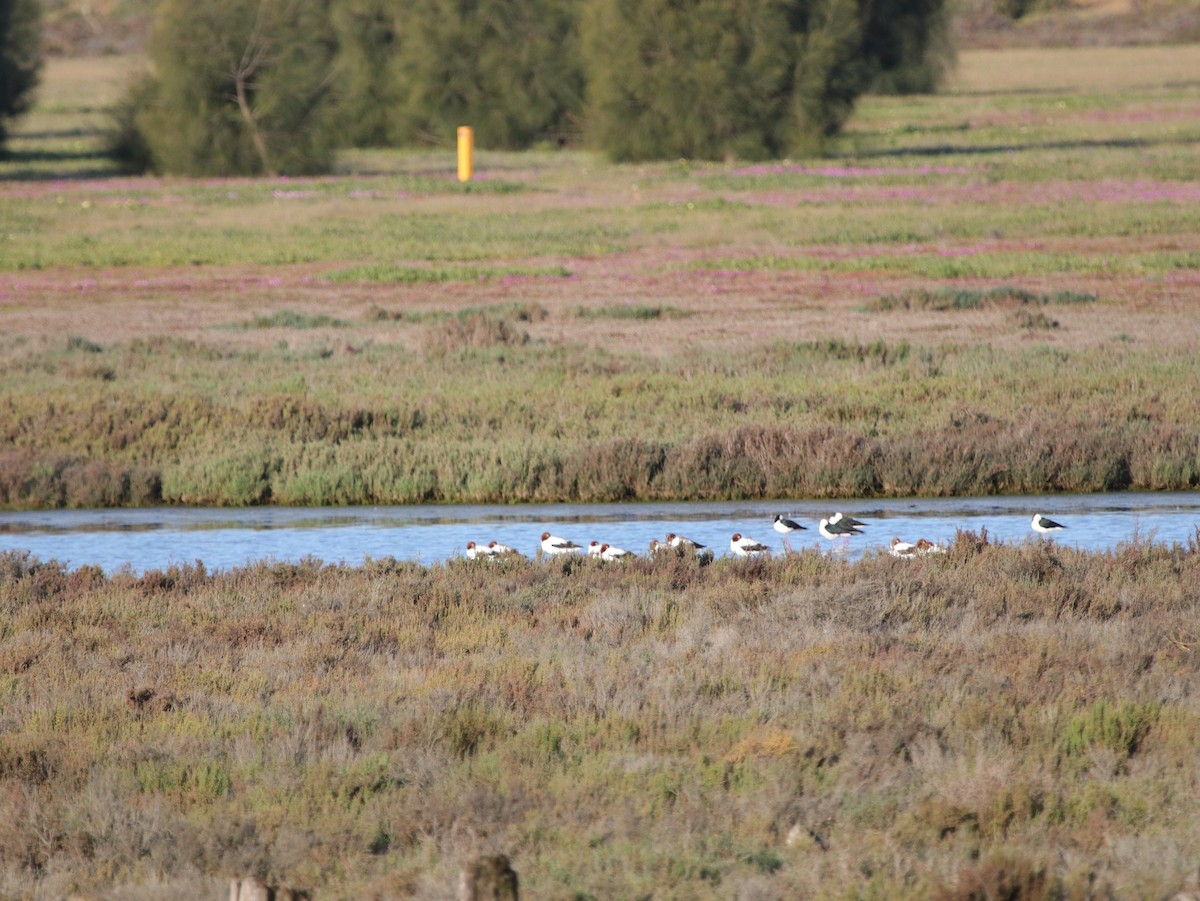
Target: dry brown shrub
point(475, 330)
point(1001, 877)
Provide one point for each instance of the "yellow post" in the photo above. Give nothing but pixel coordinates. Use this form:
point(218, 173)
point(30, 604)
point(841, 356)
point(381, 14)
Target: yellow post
point(466, 152)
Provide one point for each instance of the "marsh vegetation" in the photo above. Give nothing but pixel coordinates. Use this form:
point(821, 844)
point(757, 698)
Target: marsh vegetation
point(1013, 721)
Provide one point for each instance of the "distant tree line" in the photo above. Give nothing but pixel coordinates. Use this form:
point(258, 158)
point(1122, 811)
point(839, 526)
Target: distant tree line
point(277, 86)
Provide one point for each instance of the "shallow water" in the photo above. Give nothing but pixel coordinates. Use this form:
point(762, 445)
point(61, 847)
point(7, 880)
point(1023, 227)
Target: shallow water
point(224, 538)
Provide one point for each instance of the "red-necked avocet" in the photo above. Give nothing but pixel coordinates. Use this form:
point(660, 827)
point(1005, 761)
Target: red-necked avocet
point(503, 550)
point(552, 544)
point(745, 546)
point(674, 540)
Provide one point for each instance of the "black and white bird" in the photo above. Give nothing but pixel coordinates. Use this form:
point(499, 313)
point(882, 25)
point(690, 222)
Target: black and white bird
point(608, 552)
point(552, 544)
point(1042, 525)
point(786, 527)
point(744, 546)
point(905, 549)
point(840, 531)
point(593, 548)
point(840, 519)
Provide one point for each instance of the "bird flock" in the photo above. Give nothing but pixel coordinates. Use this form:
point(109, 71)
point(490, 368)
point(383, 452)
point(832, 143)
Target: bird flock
point(838, 529)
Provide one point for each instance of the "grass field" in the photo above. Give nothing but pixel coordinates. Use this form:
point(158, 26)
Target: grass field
point(992, 290)
point(986, 291)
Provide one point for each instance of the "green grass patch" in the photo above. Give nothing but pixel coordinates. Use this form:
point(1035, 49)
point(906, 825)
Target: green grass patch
point(951, 298)
point(632, 311)
point(290, 319)
point(390, 274)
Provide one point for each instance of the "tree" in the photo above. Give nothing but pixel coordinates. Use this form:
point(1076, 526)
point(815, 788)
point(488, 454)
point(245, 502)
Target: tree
point(367, 94)
point(20, 57)
point(508, 68)
point(687, 78)
point(241, 87)
point(738, 78)
point(908, 45)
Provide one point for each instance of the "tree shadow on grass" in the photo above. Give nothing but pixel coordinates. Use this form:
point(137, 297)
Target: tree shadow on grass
point(957, 150)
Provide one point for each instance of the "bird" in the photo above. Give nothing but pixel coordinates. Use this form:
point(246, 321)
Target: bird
point(474, 551)
point(1042, 525)
point(838, 531)
point(608, 552)
point(904, 549)
point(656, 548)
point(503, 550)
point(594, 547)
point(744, 546)
point(679, 541)
point(928, 547)
point(840, 519)
point(786, 527)
point(552, 544)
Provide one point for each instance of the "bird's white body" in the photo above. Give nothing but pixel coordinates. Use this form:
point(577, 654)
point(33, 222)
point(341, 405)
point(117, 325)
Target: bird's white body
point(475, 551)
point(594, 548)
point(608, 552)
point(902, 548)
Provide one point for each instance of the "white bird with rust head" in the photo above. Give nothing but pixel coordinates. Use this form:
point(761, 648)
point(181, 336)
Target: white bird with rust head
point(745, 546)
point(552, 544)
point(610, 553)
point(503, 550)
point(674, 540)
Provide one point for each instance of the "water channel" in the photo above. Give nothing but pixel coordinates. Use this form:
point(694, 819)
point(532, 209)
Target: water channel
point(155, 538)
